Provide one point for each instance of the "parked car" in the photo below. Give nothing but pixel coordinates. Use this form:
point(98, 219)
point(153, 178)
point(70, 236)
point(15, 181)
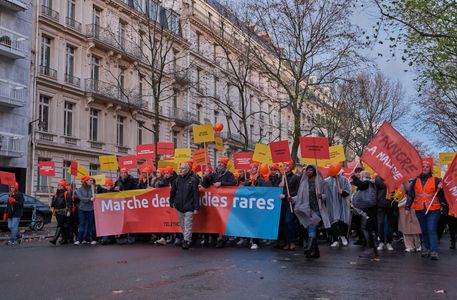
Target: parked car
point(36, 213)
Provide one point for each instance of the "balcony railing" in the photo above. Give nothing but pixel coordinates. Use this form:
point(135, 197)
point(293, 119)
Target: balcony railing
point(113, 92)
point(73, 24)
point(73, 80)
point(182, 116)
point(47, 71)
point(16, 5)
point(10, 145)
point(46, 136)
point(12, 44)
point(96, 145)
point(49, 13)
point(12, 95)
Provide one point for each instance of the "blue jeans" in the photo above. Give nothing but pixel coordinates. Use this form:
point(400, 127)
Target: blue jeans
point(429, 228)
point(86, 217)
point(13, 225)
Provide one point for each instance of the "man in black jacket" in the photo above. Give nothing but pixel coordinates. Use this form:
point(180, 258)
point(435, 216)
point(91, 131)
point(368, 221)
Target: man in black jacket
point(14, 209)
point(125, 183)
point(184, 196)
point(61, 203)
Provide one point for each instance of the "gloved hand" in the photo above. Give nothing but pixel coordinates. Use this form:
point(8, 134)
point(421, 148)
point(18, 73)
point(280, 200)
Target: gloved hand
point(11, 200)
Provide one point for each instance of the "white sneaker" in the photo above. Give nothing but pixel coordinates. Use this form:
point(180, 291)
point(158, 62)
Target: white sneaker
point(381, 246)
point(344, 241)
point(240, 242)
point(161, 241)
point(77, 243)
point(389, 247)
point(335, 244)
point(419, 249)
point(254, 246)
point(93, 243)
point(409, 250)
point(85, 242)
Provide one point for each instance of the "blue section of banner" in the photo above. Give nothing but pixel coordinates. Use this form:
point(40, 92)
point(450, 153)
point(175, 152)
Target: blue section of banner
point(255, 213)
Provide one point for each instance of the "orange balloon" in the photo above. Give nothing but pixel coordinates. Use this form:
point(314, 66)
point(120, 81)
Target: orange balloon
point(334, 169)
point(218, 126)
point(264, 170)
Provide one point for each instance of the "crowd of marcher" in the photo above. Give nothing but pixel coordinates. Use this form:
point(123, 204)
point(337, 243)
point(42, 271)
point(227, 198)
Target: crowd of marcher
point(314, 208)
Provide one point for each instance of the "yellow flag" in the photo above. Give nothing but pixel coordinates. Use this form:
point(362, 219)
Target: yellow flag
point(231, 166)
point(446, 158)
point(82, 171)
point(203, 133)
point(99, 179)
point(262, 154)
point(108, 162)
point(182, 154)
point(337, 153)
point(219, 144)
point(318, 162)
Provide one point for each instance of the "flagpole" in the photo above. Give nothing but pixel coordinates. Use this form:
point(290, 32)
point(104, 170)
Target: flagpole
point(287, 189)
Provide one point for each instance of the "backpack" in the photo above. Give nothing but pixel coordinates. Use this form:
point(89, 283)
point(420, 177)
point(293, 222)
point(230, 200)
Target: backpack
point(366, 198)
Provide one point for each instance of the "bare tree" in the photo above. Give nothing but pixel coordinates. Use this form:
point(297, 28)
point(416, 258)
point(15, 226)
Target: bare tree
point(309, 44)
point(153, 46)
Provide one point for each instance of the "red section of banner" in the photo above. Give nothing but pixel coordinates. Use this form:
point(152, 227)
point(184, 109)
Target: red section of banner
point(7, 178)
point(128, 162)
point(314, 147)
point(450, 187)
point(145, 151)
point(165, 148)
point(147, 163)
point(391, 156)
point(74, 168)
point(47, 168)
point(122, 215)
point(242, 160)
point(280, 152)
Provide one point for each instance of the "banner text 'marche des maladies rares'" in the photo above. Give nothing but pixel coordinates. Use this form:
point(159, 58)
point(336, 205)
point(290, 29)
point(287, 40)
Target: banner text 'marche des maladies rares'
point(233, 211)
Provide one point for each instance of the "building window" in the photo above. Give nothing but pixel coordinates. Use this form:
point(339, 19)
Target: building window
point(43, 113)
point(175, 60)
point(95, 69)
point(42, 181)
point(93, 124)
point(65, 173)
point(68, 119)
point(120, 83)
point(96, 16)
point(45, 52)
point(175, 138)
point(140, 86)
point(199, 112)
point(94, 170)
point(140, 133)
point(261, 134)
point(71, 9)
point(251, 131)
point(216, 116)
point(173, 21)
point(175, 100)
point(215, 52)
point(215, 84)
point(70, 63)
point(270, 137)
point(121, 34)
point(198, 41)
point(154, 10)
point(120, 131)
point(199, 88)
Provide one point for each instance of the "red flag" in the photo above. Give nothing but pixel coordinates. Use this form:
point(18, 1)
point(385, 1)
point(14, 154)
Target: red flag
point(280, 151)
point(128, 162)
point(450, 187)
point(47, 168)
point(7, 178)
point(147, 163)
point(392, 157)
point(145, 151)
point(165, 148)
point(74, 168)
point(242, 160)
point(314, 147)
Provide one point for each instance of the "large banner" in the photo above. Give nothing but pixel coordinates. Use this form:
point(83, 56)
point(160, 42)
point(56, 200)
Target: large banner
point(450, 187)
point(232, 211)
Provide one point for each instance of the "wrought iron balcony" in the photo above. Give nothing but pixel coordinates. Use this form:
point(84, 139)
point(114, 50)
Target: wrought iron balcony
point(12, 44)
point(15, 5)
point(10, 145)
point(47, 71)
point(49, 13)
point(114, 93)
point(183, 117)
point(73, 24)
point(73, 80)
point(12, 95)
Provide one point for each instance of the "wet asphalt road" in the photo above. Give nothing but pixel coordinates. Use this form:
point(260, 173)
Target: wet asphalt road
point(37, 270)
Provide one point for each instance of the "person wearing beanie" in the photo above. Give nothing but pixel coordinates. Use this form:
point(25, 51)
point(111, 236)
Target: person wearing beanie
point(125, 182)
point(426, 197)
point(145, 180)
point(61, 204)
point(159, 180)
point(86, 210)
point(14, 210)
point(169, 175)
point(275, 175)
point(185, 198)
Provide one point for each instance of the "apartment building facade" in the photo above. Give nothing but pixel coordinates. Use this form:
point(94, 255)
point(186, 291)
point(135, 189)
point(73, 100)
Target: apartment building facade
point(94, 90)
point(15, 39)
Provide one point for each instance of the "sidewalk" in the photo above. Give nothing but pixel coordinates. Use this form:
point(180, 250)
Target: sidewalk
point(29, 235)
